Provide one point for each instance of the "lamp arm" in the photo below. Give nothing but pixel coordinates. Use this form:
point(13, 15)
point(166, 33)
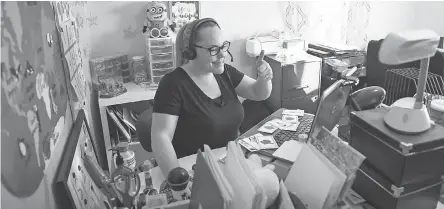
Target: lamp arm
point(422, 83)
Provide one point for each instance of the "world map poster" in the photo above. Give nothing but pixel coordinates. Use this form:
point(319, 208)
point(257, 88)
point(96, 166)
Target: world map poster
point(33, 94)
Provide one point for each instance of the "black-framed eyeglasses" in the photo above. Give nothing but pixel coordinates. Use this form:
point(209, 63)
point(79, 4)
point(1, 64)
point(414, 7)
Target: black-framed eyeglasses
point(214, 50)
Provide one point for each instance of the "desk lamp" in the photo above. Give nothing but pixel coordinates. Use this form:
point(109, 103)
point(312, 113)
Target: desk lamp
point(409, 115)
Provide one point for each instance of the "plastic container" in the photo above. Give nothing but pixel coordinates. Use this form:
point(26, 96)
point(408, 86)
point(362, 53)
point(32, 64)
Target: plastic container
point(108, 71)
point(126, 181)
point(141, 70)
point(129, 157)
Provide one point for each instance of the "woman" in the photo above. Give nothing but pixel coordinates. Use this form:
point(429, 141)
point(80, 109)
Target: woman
point(197, 103)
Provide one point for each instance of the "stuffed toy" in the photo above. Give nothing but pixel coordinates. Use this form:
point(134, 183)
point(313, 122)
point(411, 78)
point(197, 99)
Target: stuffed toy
point(266, 176)
point(157, 21)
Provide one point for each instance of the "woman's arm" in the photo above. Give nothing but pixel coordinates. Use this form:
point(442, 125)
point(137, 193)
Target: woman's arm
point(162, 132)
point(256, 90)
point(259, 89)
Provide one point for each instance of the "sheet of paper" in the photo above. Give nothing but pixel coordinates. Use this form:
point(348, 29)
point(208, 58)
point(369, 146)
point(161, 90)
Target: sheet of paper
point(78, 82)
point(310, 179)
point(289, 150)
point(297, 112)
point(266, 142)
point(267, 128)
point(292, 127)
point(290, 118)
point(280, 124)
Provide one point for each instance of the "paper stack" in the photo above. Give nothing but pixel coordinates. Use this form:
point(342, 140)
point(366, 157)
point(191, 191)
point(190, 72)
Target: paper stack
point(229, 185)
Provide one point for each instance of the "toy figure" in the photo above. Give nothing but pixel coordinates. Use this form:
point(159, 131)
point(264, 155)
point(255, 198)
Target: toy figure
point(157, 20)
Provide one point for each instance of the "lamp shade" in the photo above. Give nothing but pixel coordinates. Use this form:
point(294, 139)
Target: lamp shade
point(407, 46)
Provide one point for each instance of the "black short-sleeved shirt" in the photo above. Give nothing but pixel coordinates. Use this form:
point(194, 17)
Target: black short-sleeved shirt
point(202, 120)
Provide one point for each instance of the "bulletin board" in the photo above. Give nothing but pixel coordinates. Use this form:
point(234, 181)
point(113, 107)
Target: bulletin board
point(73, 184)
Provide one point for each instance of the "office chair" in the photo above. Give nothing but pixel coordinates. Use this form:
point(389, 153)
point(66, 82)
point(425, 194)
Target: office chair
point(367, 98)
point(143, 129)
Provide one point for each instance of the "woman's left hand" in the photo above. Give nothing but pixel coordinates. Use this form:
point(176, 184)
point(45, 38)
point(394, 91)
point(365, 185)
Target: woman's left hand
point(263, 68)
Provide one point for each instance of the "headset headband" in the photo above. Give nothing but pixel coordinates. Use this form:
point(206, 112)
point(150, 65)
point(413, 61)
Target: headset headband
point(190, 31)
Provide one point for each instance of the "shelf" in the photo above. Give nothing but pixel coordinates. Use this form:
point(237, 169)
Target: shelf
point(135, 93)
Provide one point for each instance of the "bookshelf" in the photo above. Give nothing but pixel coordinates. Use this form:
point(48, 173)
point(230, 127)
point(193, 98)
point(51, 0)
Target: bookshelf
point(160, 53)
point(135, 93)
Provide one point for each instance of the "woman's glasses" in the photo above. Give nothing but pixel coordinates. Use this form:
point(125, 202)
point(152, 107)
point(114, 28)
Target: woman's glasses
point(214, 50)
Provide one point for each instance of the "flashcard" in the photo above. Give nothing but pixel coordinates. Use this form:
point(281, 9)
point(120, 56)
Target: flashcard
point(297, 112)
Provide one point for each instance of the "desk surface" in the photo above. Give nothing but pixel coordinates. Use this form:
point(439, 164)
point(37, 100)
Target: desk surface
point(281, 169)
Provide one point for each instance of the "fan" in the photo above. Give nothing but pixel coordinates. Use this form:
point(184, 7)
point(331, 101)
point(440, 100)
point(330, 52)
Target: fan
point(409, 115)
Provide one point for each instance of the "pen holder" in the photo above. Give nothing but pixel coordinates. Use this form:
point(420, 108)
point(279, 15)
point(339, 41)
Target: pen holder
point(178, 179)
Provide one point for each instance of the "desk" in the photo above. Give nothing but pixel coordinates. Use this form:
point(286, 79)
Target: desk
point(281, 168)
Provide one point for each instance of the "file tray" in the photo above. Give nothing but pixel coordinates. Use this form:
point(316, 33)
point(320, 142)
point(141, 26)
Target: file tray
point(403, 159)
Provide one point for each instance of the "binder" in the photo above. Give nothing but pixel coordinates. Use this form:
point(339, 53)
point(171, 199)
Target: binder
point(207, 188)
point(245, 191)
point(260, 198)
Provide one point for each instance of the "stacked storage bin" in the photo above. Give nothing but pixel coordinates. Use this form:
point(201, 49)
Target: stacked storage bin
point(161, 57)
point(400, 171)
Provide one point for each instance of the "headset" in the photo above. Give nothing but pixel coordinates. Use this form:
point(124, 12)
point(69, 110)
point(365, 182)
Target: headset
point(189, 34)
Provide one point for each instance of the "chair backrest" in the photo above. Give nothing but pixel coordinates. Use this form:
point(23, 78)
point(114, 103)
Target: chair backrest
point(143, 129)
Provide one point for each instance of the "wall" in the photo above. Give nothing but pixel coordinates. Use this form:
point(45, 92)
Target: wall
point(118, 26)
point(401, 15)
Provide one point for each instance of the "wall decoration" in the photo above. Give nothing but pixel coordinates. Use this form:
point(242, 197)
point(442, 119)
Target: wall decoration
point(87, 51)
point(73, 183)
point(183, 12)
point(33, 97)
point(91, 20)
point(331, 22)
point(357, 23)
point(79, 20)
point(129, 32)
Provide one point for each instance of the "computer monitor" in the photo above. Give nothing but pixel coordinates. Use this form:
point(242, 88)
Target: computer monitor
point(330, 107)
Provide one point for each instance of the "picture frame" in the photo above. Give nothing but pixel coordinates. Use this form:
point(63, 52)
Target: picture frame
point(183, 12)
point(73, 186)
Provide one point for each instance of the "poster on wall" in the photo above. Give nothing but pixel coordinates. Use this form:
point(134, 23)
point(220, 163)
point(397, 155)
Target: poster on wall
point(183, 12)
point(33, 95)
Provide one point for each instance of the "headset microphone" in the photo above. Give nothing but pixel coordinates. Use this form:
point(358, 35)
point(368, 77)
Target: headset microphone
point(230, 55)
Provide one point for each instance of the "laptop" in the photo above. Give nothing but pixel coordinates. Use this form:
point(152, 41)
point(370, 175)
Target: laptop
point(328, 113)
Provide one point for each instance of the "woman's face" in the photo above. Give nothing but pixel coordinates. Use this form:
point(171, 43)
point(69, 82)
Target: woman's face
point(210, 37)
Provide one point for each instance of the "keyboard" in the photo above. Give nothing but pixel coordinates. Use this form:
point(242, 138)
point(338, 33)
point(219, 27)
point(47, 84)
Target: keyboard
point(305, 123)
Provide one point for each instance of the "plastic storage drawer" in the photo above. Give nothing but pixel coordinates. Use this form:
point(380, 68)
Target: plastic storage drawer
point(162, 72)
point(162, 65)
point(161, 57)
point(161, 50)
point(160, 42)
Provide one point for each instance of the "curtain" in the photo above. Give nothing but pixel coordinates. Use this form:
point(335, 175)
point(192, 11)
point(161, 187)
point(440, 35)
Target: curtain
point(332, 22)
